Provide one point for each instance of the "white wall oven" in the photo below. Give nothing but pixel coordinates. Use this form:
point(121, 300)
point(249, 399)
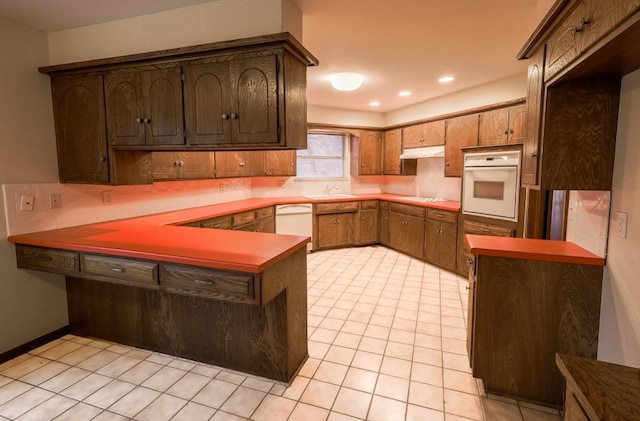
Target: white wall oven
point(491, 184)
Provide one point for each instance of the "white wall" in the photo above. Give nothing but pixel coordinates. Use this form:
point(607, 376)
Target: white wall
point(619, 340)
point(31, 303)
point(204, 23)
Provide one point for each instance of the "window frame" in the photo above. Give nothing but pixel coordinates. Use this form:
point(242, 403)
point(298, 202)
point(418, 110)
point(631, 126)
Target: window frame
point(346, 156)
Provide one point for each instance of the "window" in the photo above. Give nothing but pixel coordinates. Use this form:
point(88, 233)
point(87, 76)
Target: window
point(324, 156)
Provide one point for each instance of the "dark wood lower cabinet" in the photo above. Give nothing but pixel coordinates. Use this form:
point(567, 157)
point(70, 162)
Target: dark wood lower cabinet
point(336, 230)
point(268, 338)
point(406, 229)
point(440, 243)
point(523, 312)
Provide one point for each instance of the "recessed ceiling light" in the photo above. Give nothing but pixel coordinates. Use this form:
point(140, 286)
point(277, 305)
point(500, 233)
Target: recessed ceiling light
point(445, 79)
point(404, 93)
point(347, 81)
point(374, 103)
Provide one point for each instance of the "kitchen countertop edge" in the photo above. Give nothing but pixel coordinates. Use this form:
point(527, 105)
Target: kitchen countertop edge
point(532, 249)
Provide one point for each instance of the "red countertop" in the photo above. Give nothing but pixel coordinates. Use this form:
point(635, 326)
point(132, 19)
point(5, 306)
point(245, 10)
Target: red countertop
point(531, 249)
point(157, 237)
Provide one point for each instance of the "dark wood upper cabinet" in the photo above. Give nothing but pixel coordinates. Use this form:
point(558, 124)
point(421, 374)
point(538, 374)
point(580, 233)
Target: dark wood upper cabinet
point(461, 132)
point(145, 108)
point(254, 113)
point(366, 153)
point(280, 163)
point(207, 103)
point(535, 102)
point(80, 129)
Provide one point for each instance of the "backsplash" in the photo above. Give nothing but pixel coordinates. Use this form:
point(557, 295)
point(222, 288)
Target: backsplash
point(588, 220)
point(88, 203)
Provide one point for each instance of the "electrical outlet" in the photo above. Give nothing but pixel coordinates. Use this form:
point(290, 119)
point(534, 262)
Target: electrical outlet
point(55, 200)
point(106, 197)
point(26, 202)
point(621, 225)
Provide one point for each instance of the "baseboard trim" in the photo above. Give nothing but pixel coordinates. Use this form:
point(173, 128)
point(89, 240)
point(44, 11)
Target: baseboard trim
point(19, 350)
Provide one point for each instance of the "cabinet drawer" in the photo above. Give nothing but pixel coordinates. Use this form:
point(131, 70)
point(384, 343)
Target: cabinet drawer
point(563, 45)
point(243, 218)
point(407, 209)
point(220, 222)
point(336, 207)
point(210, 283)
point(264, 212)
point(480, 228)
point(369, 204)
point(46, 260)
point(115, 268)
point(443, 216)
point(384, 205)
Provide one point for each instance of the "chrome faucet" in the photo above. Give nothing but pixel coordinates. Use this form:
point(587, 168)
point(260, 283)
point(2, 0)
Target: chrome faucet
point(330, 188)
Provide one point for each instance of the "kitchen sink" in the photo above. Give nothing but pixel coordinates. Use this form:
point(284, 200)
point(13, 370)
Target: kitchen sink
point(424, 199)
point(328, 196)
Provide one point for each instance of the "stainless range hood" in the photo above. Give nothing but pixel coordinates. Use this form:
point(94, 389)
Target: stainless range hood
point(426, 152)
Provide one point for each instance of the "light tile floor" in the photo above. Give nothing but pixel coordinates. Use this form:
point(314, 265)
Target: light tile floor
point(386, 342)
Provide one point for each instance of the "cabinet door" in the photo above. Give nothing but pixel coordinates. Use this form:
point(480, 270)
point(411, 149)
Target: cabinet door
point(412, 136)
point(601, 17)
point(282, 163)
point(493, 127)
point(125, 109)
point(535, 101)
point(367, 227)
point(383, 226)
point(563, 44)
point(471, 300)
point(163, 107)
point(346, 229)
point(434, 133)
point(78, 107)
point(368, 153)
point(517, 124)
point(266, 225)
point(432, 242)
point(165, 165)
point(448, 246)
point(461, 132)
point(193, 165)
point(207, 104)
point(415, 236)
point(328, 231)
point(391, 150)
point(254, 116)
point(239, 164)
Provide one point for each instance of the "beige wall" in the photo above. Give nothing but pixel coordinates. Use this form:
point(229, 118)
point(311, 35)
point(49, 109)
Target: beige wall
point(31, 303)
point(209, 22)
point(620, 315)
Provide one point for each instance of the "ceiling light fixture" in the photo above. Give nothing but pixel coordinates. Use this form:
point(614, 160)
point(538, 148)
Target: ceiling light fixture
point(404, 93)
point(347, 81)
point(445, 79)
point(374, 103)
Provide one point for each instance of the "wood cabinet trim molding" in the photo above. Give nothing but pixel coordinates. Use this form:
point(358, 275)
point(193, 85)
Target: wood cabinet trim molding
point(164, 57)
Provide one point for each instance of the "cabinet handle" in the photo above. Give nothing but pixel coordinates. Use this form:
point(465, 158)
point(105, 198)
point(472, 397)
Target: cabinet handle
point(469, 260)
point(241, 164)
point(292, 164)
point(116, 270)
point(138, 120)
point(225, 116)
point(584, 22)
point(440, 215)
point(466, 287)
point(234, 116)
point(201, 282)
point(506, 131)
point(102, 159)
point(181, 163)
point(447, 163)
point(362, 165)
point(147, 120)
point(362, 217)
point(534, 155)
point(486, 230)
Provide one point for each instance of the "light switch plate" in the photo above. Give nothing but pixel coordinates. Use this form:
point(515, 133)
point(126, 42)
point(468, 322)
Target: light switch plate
point(55, 200)
point(26, 202)
point(621, 225)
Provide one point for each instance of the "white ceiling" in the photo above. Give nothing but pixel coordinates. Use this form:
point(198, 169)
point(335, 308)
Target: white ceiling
point(397, 45)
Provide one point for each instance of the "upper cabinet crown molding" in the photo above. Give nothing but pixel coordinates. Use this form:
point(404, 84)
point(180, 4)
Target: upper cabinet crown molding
point(258, 43)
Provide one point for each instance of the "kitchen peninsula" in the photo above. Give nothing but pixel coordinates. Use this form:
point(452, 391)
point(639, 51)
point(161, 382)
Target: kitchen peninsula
point(230, 298)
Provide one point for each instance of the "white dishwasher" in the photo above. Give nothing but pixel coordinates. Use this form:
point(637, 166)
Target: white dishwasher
point(295, 219)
